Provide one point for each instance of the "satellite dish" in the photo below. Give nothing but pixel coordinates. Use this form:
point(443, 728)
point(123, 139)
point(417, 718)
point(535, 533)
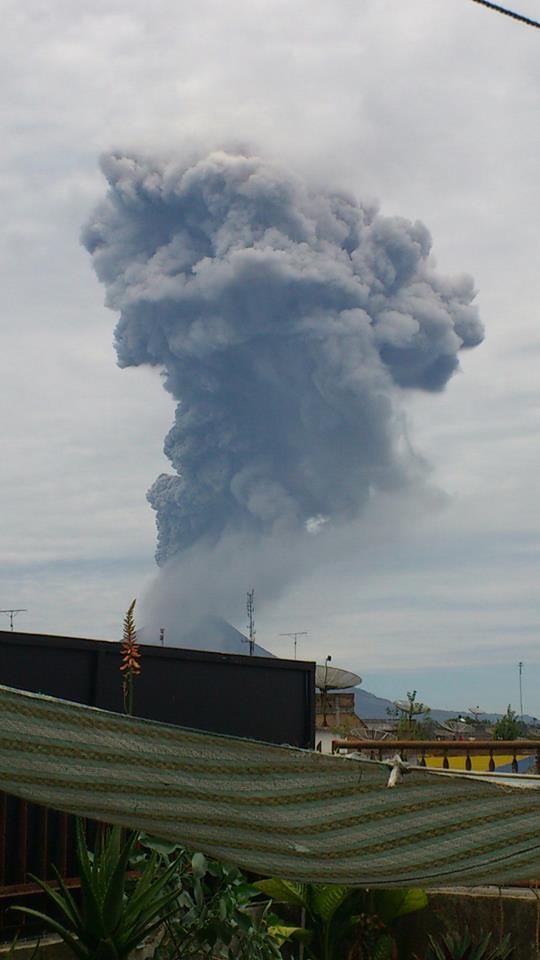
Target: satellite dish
point(476, 713)
point(457, 725)
point(332, 678)
point(413, 709)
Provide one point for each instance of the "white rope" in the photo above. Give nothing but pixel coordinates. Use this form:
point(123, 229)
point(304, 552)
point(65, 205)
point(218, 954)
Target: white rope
point(398, 768)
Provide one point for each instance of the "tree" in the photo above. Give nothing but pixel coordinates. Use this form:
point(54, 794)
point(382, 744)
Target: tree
point(509, 727)
point(413, 718)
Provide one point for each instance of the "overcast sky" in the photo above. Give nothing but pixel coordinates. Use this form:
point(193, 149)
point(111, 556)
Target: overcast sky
point(430, 107)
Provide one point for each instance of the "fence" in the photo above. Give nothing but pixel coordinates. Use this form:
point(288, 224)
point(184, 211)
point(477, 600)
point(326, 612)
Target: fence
point(422, 751)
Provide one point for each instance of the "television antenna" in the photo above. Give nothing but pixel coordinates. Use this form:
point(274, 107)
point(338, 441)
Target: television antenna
point(12, 613)
point(294, 636)
point(332, 678)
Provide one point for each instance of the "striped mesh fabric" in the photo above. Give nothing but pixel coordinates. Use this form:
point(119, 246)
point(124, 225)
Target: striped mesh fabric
point(278, 811)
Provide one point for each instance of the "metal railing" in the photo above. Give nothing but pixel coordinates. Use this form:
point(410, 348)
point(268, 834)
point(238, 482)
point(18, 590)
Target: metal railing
point(420, 751)
point(32, 838)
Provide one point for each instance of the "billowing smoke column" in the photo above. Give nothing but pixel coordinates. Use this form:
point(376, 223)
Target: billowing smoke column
point(286, 321)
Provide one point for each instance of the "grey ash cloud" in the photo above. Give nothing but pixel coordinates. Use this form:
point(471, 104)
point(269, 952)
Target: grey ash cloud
point(287, 322)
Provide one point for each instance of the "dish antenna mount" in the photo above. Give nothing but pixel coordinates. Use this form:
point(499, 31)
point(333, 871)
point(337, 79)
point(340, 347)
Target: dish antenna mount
point(476, 712)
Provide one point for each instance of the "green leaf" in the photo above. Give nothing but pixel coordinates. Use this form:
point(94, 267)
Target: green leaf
point(158, 845)
point(62, 901)
point(284, 891)
point(391, 904)
point(144, 882)
point(91, 911)
point(147, 899)
point(115, 882)
point(78, 948)
point(415, 899)
point(69, 906)
point(280, 932)
point(154, 909)
point(246, 891)
point(326, 898)
point(245, 922)
point(384, 947)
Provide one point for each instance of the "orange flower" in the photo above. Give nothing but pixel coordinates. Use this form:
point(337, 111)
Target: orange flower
point(130, 661)
point(130, 666)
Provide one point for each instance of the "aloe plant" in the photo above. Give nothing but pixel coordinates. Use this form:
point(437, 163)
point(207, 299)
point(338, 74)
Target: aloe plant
point(114, 915)
point(462, 947)
point(339, 918)
point(130, 666)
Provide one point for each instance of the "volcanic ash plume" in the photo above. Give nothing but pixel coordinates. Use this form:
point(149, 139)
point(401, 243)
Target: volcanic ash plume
point(286, 322)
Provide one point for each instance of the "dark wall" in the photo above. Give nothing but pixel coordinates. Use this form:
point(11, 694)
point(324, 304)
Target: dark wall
point(258, 697)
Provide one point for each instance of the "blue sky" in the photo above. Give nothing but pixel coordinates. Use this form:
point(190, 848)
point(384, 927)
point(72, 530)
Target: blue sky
point(430, 108)
point(460, 688)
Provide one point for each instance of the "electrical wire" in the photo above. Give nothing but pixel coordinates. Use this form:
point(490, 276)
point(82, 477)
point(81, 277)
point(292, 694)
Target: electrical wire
point(508, 13)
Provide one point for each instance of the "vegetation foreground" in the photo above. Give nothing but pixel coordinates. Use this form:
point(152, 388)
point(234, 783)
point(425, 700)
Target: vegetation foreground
point(141, 890)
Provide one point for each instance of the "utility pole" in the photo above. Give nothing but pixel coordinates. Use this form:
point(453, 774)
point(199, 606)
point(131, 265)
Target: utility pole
point(324, 693)
point(520, 668)
point(250, 605)
point(12, 613)
point(294, 636)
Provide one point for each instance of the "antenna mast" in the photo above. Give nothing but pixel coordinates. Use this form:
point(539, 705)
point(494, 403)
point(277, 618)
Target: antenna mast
point(251, 620)
point(12, 613)
point(520, 668)
point(294, 636)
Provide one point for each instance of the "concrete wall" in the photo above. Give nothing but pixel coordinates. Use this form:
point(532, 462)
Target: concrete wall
point(478, 911)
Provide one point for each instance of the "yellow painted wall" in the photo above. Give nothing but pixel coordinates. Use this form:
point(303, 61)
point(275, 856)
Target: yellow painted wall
point(480, 763)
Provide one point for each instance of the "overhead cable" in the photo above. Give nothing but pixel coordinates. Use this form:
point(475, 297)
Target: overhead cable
point(509, 13)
